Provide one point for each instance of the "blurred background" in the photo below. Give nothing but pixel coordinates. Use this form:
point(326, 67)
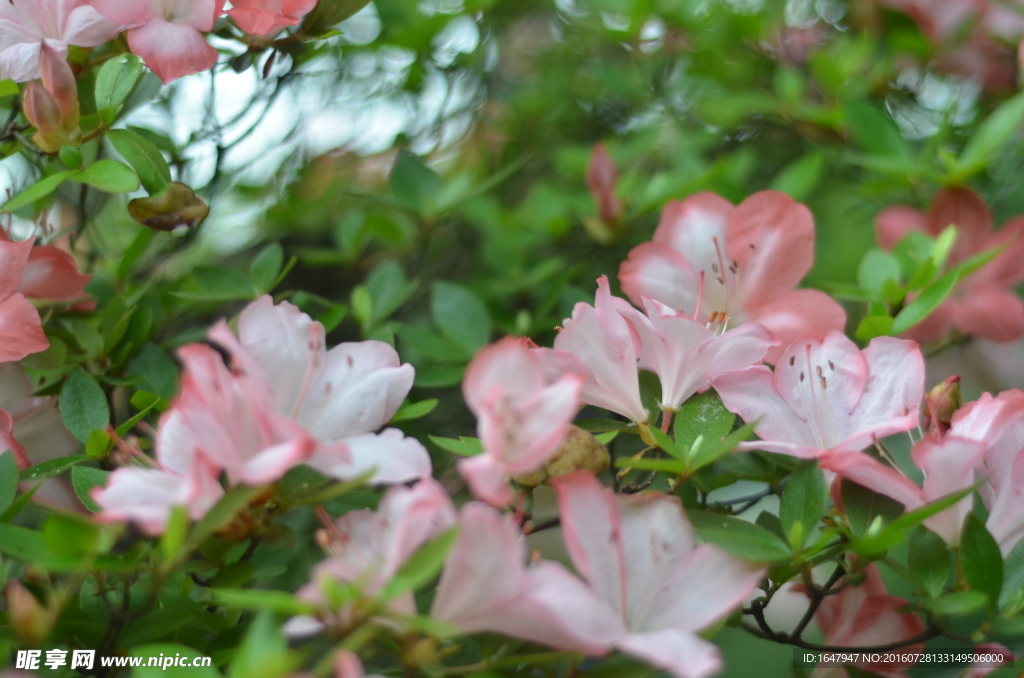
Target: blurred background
point(425, 169)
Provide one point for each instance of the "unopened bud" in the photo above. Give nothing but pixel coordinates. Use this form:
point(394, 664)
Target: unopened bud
point(176, 207)
point(52, 107)
point(29, 619)
point(580, 450)
point(601, 178)
point(940, 404)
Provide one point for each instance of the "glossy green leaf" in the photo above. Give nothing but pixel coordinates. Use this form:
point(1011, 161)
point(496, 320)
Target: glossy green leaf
point(265, 268)
point(115, 82)
point(146, 158)
point(928, 560)
point(989, 137)
point(981, 559)
point(52, 467)
point(422, 566)
point(466, 447)
point(803, 500)
point(926, 302)
point(83, 404)
point(410, 411)
point(37, 191)
point(8, 479)
point(738, 537)
point(84, 479)
point(460, 315)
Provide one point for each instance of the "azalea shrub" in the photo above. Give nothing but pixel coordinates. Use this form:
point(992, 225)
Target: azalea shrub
point(598, 338)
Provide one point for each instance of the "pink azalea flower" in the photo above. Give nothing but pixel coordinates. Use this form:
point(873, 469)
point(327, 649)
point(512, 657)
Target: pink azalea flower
point(183, 476)
point(638, 554)
point(222, 420)
point(486, 587)
point(984, 303)
point(38, 272)
point(348, 665)
point(521, 418)
point(25, 24)
point(266, 18)
point(599, 343)
point(948, 465)
point(750, 258)
point(371, 546)
point(826, 396)
point(341, 396)
point(979, 669)
point(31, 428)
point(52, 106)
point(998, 421)
point(686, 354)
point(866, 615)
point(167, 34)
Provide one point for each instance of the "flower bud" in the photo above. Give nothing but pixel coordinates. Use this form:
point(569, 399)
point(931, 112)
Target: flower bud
point(52, 107)
point(601, 178)
point(940, 404)
point(29, 619)
point(580, 450)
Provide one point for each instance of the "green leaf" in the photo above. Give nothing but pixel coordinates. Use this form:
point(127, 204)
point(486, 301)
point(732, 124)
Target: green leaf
point(874, 131)
point(1011, 599)
point(803, 500)
point(926, 302)
point(739, 537)
point(255, 599)
point(709, 451)
point(146, 158)
point(265, 267)
point(465, 447)
point(702, 415)
point(875, 268)
point(263, 652)
point(664, 442)
point(8, 479)
point(422, 566)
point(52, 467)
point(109, 176)
point(83, 479)
point(8, 88)
point(460, 315)
point(145, 401)
point(862, 506)
point(874, 326)
point(410, 411)
point(956, 603)
point(799, 178)
point(414, 184)
point(83, 405)
point(22, 543)
point(71, 536)
point(928, 560)
point(115, 82)
point(981, 559)
point(99, 443)
point(71, 157)
point(169, 654)
point(673, 466)
point(389, 288)
point(216, 283)
point(154, 370)
point(37, 191)
point(990, 136)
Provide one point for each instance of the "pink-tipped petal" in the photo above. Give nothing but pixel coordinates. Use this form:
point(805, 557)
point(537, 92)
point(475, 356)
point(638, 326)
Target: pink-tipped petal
point(682, 654)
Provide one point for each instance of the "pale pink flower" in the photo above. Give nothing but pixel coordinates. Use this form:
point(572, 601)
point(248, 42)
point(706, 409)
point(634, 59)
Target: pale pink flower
point(826, 396)
point(863, 616)
point(948, 464)
point(598, 343)
point(998, 421)
point(38, 272)
point(521, 417)
point(341, 396)
point(167, 34)
point(638, 553)
point(486, 587)
point(31, 428)
point(27, 24)
point(686, 354)
point(984, 303)
point(734, 265)
point(266, 18)
point(348, 665)
point(371, 546)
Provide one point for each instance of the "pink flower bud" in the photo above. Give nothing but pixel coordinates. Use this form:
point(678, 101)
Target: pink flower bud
point(29, 619)
point(53, 106)
point(601, 177)
point(940, 404)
